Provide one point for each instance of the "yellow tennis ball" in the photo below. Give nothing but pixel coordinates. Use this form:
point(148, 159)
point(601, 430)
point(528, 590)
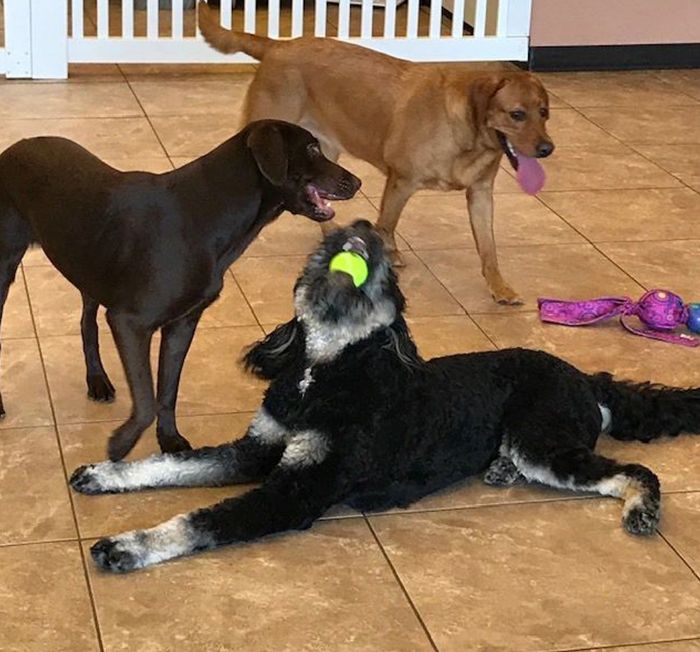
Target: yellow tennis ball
point(352, 264)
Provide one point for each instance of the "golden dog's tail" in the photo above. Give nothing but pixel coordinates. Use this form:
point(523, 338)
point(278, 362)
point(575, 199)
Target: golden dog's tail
point(226, 40)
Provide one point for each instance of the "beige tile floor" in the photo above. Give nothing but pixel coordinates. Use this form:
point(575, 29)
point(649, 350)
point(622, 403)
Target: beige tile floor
point(471, 568)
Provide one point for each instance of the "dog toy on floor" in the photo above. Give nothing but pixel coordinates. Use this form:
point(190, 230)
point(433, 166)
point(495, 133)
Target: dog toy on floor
point(660, 311)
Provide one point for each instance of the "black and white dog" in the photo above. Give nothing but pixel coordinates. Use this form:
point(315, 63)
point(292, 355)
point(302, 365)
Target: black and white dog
point(353, 415)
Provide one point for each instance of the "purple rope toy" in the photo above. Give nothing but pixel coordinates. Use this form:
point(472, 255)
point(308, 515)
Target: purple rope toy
point(660, 311)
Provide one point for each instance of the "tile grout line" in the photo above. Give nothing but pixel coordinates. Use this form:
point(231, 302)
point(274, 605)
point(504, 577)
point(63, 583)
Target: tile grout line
point(631, 148)
point(616, 646)
point(88, 584)
point(148, 119)
point(395, 573)
point(678, 554)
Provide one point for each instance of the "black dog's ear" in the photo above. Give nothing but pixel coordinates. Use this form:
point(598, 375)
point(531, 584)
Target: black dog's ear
point(268, 357)
point(267, 145)
point(402, 344)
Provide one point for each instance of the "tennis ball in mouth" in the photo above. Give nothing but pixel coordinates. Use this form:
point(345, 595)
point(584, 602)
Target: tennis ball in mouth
point(352, 264)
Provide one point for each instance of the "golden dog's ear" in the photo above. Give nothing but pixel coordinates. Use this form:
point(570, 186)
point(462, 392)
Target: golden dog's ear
point(481, 93)
point(267, 145)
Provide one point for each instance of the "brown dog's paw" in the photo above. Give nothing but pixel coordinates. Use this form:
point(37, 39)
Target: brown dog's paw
point(506, 296)
point(397, 260)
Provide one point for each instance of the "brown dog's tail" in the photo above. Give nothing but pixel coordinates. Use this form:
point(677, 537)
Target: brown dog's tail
point(226, 40)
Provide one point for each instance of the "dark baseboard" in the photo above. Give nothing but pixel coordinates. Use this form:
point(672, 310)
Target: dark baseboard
point(614, 57)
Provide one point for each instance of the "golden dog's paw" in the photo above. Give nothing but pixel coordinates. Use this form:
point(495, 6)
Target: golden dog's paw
point(506, 296)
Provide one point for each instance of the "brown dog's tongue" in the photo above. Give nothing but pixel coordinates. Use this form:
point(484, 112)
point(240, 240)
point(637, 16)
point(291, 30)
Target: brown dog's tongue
point(530, 174)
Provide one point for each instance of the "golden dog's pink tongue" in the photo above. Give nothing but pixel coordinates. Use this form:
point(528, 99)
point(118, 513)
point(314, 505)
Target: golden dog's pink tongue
point(530, 174)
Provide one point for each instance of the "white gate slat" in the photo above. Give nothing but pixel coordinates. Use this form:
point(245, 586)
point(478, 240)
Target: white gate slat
point(250, 16)
point(344, 18)
point(480, 18)
point(412, 21)
point(152, 20)
point(366, 18)
point(177, 22)
point(77, 29)
point(458, 19)
point(320, 18)
point(273, 18)
point(390, 19)
point(102, 18)
point(127, 19)
point(502, 22)
point(436, 18)
point(297, 18)
point(225, 13)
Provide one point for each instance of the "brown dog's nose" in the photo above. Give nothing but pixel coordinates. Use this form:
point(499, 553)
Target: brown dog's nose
point(544, 149)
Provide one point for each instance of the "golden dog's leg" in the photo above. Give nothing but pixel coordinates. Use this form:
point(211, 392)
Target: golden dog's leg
point(397, 192)
point(480, 204)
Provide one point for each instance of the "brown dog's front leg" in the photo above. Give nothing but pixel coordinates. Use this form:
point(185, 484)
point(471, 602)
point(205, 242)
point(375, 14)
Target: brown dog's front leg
point(480, 205)
point(133, 342)
point(397, 192)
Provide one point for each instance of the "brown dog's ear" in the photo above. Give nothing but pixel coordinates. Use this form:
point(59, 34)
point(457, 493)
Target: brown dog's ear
point(481, 92)
point(269, 151)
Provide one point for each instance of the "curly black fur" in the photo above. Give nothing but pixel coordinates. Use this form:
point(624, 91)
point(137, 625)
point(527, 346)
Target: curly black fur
point(354, 415)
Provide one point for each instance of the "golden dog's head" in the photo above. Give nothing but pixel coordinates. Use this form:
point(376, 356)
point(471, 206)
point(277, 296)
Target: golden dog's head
point(516, 106)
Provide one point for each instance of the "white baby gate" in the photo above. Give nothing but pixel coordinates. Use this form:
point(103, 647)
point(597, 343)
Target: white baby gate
point(43, 36)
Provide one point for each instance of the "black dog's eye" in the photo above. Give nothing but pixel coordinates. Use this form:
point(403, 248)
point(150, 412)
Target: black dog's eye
point(314, 149)
point(544, 112)
point(518, 115)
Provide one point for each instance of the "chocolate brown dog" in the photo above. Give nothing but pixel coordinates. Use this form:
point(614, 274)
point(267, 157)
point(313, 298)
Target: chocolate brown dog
point(153, 248)
point(423, 125)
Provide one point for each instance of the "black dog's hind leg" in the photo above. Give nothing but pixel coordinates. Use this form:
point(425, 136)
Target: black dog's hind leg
point(246, 460)
point(571, 465)
point(133, 341)
point(14, 240)
point(176, 340)
point(99, 387)
point(292, 498)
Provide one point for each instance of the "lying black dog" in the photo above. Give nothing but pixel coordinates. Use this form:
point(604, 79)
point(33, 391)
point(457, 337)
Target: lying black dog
point(153, 249)
point(353, 415)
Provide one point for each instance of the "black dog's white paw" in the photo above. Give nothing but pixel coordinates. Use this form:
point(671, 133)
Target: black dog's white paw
point(642, 520)
point(86, 480)
point(114, 555)
point(502, 473)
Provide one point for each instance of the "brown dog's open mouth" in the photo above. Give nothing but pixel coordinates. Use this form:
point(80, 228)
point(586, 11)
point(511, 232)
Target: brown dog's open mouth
point(320, 200)
point(508, 149)
point(530, 174)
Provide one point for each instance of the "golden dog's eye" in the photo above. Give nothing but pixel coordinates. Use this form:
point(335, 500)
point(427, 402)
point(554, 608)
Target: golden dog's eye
point(544, 112)
point(518, 115)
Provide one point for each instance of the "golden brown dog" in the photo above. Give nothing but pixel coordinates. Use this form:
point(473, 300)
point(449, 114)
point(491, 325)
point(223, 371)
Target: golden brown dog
point(424, 125)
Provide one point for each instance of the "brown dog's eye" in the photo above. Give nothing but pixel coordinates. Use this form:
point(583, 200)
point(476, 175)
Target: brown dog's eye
point(518, 115)
point(544, 112)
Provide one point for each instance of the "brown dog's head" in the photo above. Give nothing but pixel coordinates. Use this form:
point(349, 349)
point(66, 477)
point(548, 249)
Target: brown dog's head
point(516, 106)
point(290, 159)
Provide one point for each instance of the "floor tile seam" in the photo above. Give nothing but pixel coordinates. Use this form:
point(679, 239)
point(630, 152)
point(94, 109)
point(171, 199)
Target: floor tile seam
point(38, 542)
point(676, 88)
point(453, 297)
point(148, 118)
point(58, 118)
point(689, 102)
point(615, 646)
point(64, 467)
point(402, 587)
point(630, 147)
point(200, 327)
point(180, 415)
point(678, 554)
point(594, 245)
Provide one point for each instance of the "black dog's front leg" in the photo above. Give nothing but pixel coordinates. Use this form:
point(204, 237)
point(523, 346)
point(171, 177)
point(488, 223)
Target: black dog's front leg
point(290, 499)
point(175, 343)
